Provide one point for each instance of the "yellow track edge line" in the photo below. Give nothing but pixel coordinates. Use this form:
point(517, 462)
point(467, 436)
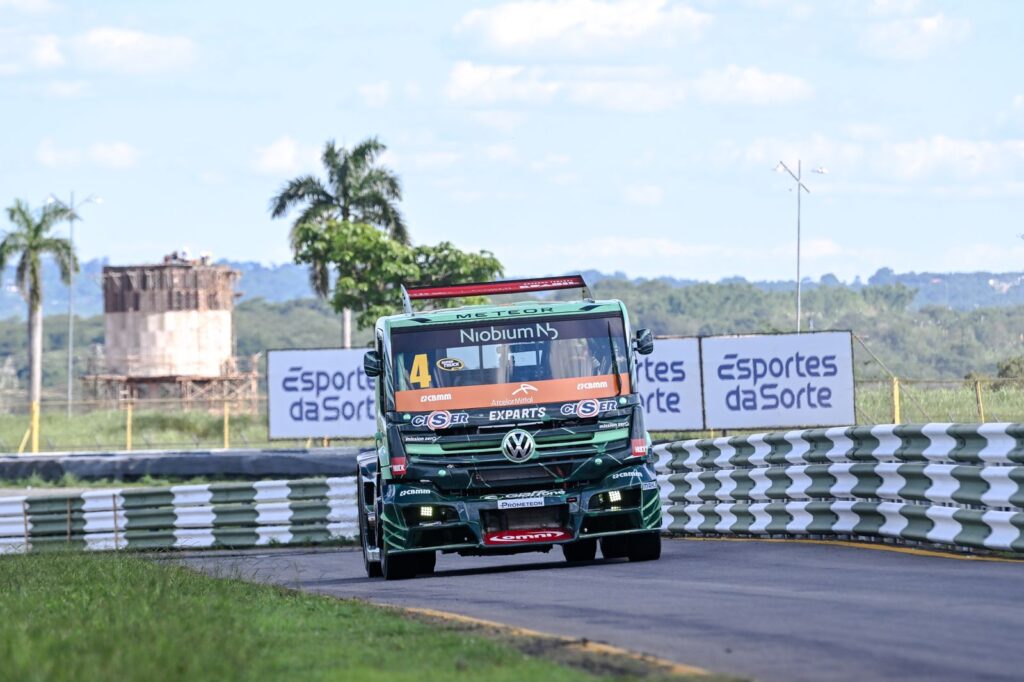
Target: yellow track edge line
point(580, 644)
point(866, 545)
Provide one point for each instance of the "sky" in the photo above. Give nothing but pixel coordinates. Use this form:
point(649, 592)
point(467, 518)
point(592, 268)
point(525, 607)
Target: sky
point(636, 136)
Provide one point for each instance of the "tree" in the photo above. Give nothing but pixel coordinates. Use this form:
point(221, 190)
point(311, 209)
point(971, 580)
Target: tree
point(358, 190)
point(28, 242)
point(371, 267)
point(1011, 368)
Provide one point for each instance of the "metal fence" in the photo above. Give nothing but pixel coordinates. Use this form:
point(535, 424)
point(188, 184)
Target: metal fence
point(900, 401)
point(948, 484)
point(226, 422)
point(144, 425)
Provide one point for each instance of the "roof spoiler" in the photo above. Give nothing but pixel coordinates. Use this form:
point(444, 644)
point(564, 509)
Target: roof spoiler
point(508, 286)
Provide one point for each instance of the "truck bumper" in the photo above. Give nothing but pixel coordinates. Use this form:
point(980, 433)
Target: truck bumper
point(416, 517)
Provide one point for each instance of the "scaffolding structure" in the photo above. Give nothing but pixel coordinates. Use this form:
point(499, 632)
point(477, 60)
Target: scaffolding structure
point(170, 335)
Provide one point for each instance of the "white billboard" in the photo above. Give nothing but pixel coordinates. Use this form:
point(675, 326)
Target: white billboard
point(668, 381)
point(778, 380)
point(322, 393)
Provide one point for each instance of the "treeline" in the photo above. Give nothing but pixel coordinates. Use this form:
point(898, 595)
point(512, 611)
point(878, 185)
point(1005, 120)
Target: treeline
point(259, 326)
point(927, 343)
point(288, 281)
point(930, 342)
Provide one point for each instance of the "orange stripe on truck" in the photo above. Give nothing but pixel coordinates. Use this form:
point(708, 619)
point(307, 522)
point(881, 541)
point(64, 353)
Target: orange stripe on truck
point(503, 395)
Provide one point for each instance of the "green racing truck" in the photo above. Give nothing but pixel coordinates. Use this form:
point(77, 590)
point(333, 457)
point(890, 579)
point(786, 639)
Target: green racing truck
point(507, 428)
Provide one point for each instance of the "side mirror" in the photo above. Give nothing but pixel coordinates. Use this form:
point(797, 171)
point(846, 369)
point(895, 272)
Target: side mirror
point(644, 343)
point(372, 364)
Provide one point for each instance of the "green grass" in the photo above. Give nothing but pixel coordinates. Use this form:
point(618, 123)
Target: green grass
point(116, 617)
point(953, 401)
point(151, 430)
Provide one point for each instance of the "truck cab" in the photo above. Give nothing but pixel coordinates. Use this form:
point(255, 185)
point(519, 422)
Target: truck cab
point(507, 428)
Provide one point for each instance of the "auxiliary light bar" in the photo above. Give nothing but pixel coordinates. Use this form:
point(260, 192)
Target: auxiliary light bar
point(509, 286)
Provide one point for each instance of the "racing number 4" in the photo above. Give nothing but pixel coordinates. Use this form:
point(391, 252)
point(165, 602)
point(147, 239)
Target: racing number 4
point(420, 374)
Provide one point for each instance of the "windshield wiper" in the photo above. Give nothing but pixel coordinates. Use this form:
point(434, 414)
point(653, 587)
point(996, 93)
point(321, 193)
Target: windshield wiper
point(615, 362)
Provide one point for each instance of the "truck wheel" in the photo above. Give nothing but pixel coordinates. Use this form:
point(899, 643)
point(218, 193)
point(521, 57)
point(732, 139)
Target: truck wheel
point(398, 566)
point(580, 550)
point(645, 547)
point(372, 567)
point(615, 547)
point(426, 562)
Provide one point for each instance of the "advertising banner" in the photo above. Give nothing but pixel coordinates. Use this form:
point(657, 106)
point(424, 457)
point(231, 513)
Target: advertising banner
point(321, 393)
point(668, 381)
point(778, 380)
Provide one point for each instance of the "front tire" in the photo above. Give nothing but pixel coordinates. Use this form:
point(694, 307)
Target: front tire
point(372, 568)
point(580, 550)
point(426, 562)
point(615, 547)
point(398, 566)
point(645, 547)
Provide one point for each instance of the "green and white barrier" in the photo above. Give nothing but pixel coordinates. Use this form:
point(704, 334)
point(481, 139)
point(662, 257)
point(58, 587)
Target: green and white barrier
point(954, 484)
point(214, 515)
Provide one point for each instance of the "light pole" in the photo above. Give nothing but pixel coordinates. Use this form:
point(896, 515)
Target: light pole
point(799, 186)
point(72, 217)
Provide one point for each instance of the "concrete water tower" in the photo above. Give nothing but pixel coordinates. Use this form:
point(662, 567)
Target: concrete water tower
point(169, 332)
point(172, 319)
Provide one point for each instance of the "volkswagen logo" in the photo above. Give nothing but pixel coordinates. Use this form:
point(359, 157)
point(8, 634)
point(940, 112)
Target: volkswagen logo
point(518, 446)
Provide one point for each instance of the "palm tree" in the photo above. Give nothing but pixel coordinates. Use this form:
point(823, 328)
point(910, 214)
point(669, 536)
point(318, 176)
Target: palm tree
point(28, 242)
point(357, 189)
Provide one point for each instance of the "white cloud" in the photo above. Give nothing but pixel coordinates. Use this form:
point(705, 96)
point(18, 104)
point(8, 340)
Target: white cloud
point(939, 164)
point(500, 152)
point(67, 89)
point(581, 25)
point(915, 37)
point(644, 195)
point(285, 155)
point(20, 52)
point(46, 52)
point(114, 154)
point(814, 150)
point(127, 51)
point(737, 85)
point(485, 84)
point(52, 156)
point(375, 94)
point(1018, 102)
point(624, 88)
point(950, 156)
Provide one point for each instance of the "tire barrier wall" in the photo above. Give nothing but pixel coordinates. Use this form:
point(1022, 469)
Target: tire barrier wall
point(215, 515)
point(950, 484)
point(241, 464)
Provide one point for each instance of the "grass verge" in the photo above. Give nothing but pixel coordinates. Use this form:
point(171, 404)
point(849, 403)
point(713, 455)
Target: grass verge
point(81, 616)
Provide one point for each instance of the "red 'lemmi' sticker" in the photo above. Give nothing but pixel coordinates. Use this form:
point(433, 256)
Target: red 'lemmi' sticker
point(510, 537)
point(639, 447)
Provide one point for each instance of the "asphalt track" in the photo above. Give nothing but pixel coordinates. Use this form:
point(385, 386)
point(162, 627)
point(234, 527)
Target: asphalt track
point(763, 610)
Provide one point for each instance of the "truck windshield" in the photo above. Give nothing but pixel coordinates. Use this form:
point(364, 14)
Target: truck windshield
point(510, 362)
